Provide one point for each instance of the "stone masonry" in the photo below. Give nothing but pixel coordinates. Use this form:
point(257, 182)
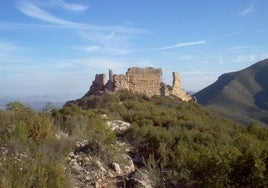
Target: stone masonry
point(146, 81)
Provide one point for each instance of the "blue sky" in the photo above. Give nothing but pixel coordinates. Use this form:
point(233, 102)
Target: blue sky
point(55, 47)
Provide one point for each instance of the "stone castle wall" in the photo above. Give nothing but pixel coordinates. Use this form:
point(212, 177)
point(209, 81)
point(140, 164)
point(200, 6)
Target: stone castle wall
point(147, 81)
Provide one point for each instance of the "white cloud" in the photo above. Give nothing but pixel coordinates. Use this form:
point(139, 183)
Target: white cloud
point(111, 42)
point(245, 58)
point(226, 35)
point(92, 48)
point(71, 6)
point(35, 12)
point(182, 45)
point(249, 9)
point(111, 39)
point(241, 47)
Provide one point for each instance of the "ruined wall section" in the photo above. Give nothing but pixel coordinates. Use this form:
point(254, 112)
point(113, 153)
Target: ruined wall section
point(120, 82)
point(177, 90)
point(146, 81)
point(98, 84)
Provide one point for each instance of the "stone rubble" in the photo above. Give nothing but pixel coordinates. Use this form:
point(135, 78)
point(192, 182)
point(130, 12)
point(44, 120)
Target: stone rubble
point(88, 171)
point(118, 125)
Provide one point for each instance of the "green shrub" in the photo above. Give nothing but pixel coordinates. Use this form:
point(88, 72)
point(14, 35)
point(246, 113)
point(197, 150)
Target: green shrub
point(27, 156)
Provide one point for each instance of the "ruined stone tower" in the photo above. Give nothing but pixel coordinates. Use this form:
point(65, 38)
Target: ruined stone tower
point(146, 81)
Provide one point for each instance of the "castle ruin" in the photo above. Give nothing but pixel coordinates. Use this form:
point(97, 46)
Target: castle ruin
point(146, 81)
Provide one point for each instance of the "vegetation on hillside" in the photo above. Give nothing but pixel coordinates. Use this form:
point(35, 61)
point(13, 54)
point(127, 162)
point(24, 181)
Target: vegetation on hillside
point(34, 146)
point(29, 154)
point(181, 144)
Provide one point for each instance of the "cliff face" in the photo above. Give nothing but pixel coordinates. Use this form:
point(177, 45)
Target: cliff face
point(147, 81)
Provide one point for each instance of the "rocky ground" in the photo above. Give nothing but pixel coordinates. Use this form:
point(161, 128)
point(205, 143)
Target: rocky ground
point(89, 171)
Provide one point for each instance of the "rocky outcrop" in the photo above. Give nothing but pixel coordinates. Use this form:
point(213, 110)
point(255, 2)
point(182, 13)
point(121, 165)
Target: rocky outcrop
point(146, 81)
point(87, 170)
point(118, 125)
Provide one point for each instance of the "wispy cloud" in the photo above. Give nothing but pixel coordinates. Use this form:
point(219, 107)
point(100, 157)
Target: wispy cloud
point(242, 58)
point(112, 43)
point(112, 39)
point(92, 48)
point(71, 6)
point(243, 47)
point(227, 35)
point(237, 50)
point(33, 11)
point(249, 9)
point(179, 45)
point(230, 34)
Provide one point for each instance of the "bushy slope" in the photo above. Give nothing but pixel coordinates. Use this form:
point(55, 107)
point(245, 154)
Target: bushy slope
point(30, 154)
point(242, 95)
point(185, 145)
point(177, 144)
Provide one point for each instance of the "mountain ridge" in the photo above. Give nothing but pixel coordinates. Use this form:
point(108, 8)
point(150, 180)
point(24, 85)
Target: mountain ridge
point(240, 95)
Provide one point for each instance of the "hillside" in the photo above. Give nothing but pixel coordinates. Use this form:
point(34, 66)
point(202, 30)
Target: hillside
point(241, 95)
point(124, 139)
point(183, 144)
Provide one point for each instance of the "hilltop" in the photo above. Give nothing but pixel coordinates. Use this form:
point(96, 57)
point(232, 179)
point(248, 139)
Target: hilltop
point(241, 95)
point(129, 139)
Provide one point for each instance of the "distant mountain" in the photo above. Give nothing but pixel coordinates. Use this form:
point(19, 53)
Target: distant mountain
point(241, 95)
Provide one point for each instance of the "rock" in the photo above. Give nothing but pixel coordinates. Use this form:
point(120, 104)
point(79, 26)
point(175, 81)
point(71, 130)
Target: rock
point(145, 184)
point(118, 125)
point(141, 179)
point(88, 178)
point(61, 135)
point(81, 146)
point(89, 171)
point(99, 166)
point(76, 168)
point(71, 155)
point(115, 166)
point(87, 159)
point(104, 116)
point(130, 167)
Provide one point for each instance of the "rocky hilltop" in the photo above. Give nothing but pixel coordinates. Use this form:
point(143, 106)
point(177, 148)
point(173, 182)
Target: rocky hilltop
point(146, 81)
